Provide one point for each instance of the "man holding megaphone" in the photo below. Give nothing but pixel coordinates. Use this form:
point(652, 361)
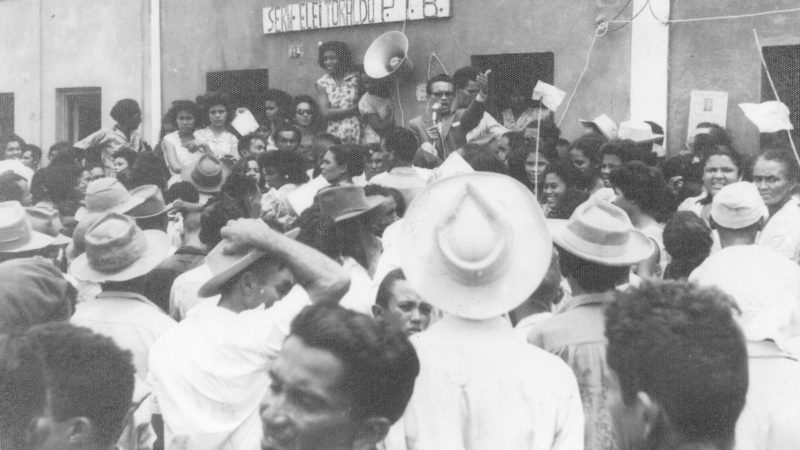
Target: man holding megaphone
point(441, 130)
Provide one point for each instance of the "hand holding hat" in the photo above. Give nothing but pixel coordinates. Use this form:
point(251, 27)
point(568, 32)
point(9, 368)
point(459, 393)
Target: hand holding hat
point(238, 235)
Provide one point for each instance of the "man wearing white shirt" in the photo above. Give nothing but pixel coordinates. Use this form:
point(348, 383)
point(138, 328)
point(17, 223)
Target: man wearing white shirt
point(210, 372)
point(475, 246)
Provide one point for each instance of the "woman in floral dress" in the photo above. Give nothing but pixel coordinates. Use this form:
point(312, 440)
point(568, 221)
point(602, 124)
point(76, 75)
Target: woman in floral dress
point(338, 91)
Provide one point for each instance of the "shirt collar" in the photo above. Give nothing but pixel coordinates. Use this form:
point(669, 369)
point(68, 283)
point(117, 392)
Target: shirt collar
point(766, 349)
point(191, 250)
point(116, 295)
point(602, 298)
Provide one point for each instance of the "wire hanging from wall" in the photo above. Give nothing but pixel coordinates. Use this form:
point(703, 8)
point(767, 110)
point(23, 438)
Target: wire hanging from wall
point(601, 30)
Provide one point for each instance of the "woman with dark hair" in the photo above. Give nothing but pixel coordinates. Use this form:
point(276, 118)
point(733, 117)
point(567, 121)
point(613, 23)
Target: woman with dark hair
point(614, 153)
point(277, 111)
point(641, 193)
point(180, 147)
point(341, 163)
point(338, 91)
point(13, 147)
point(585, 155)
point(687, 239)
point(776, 174)
point(215, 111)
point(307, 117)
point(722, 165)
point(561, 194)
point(523, 166)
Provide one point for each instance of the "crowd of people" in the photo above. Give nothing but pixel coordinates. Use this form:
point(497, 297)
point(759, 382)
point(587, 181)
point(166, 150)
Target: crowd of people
point(338, 280)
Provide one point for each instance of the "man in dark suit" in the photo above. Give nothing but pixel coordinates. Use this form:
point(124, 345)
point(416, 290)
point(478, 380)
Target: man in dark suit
point(441, 130)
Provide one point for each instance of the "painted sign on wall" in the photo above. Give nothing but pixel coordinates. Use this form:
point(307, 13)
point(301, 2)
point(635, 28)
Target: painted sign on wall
point(322, 14)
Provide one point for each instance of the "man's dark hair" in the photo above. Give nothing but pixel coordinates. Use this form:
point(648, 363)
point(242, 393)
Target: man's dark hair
point(9, 189)
point(380, 365)
point(382, 297)
point(22, 388)
point(351, 155)
point(437, 79)
point(87, 375)
point(402, 143)
point(399, 200)
point(463, 76)
point(687, 239)
point(644, 186)
point(215, 216)
point(125, 108)
point(590, 144)
point(679, 343)
point(591, 276)
point(287, 127)
point(183, 190)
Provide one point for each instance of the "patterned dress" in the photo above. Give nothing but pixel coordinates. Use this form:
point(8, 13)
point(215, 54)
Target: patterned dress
point(340, 96)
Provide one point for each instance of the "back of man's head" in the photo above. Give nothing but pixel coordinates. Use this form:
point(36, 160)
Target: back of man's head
point(463, 76)
point(402, 144)
point(215, 216)
point(592, 277)
point(380, 365)
point(676, 348)
point(90, 383)
point(22, 388)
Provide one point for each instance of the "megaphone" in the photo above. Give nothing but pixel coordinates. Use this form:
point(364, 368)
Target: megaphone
point(388, 56)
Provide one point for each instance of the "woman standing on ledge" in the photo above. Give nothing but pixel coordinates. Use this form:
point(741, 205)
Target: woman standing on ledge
point(337, 91)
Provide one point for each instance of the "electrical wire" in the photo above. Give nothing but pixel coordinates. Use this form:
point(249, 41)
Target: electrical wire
point(599, 31)
point(621, 10)
point(737, 16)
point(626, 22)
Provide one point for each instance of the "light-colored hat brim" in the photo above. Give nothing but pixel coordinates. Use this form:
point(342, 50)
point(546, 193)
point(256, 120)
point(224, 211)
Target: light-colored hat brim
point(157, 251)
point(648, 140)
point(147, 216)
point(122, 208)
point(529, 247)
point(211, 287)
point(38, 241)
point(61, 239)
point(373, 201)
point(638, 248)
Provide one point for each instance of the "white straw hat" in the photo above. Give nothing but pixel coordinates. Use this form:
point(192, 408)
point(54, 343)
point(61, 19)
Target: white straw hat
point(475, 245)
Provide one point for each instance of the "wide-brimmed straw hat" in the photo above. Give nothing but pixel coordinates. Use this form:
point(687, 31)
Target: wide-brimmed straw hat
point(152, 202)
point(107, 195)
point(118, 250)
point(48, 221)
point(225, 266)
point(602, 124)
point(475, 245)
point(207, 174)
point(345, 202)
point(638, 132)
point(601, 232)
point(16, 232)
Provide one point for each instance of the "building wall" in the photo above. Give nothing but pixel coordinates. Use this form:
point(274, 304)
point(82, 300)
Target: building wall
point(83, 43)
point(722, 56)
point(215, 35)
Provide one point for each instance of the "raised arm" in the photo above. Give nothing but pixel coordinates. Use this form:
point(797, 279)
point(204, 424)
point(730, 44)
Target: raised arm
point(323, 279)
